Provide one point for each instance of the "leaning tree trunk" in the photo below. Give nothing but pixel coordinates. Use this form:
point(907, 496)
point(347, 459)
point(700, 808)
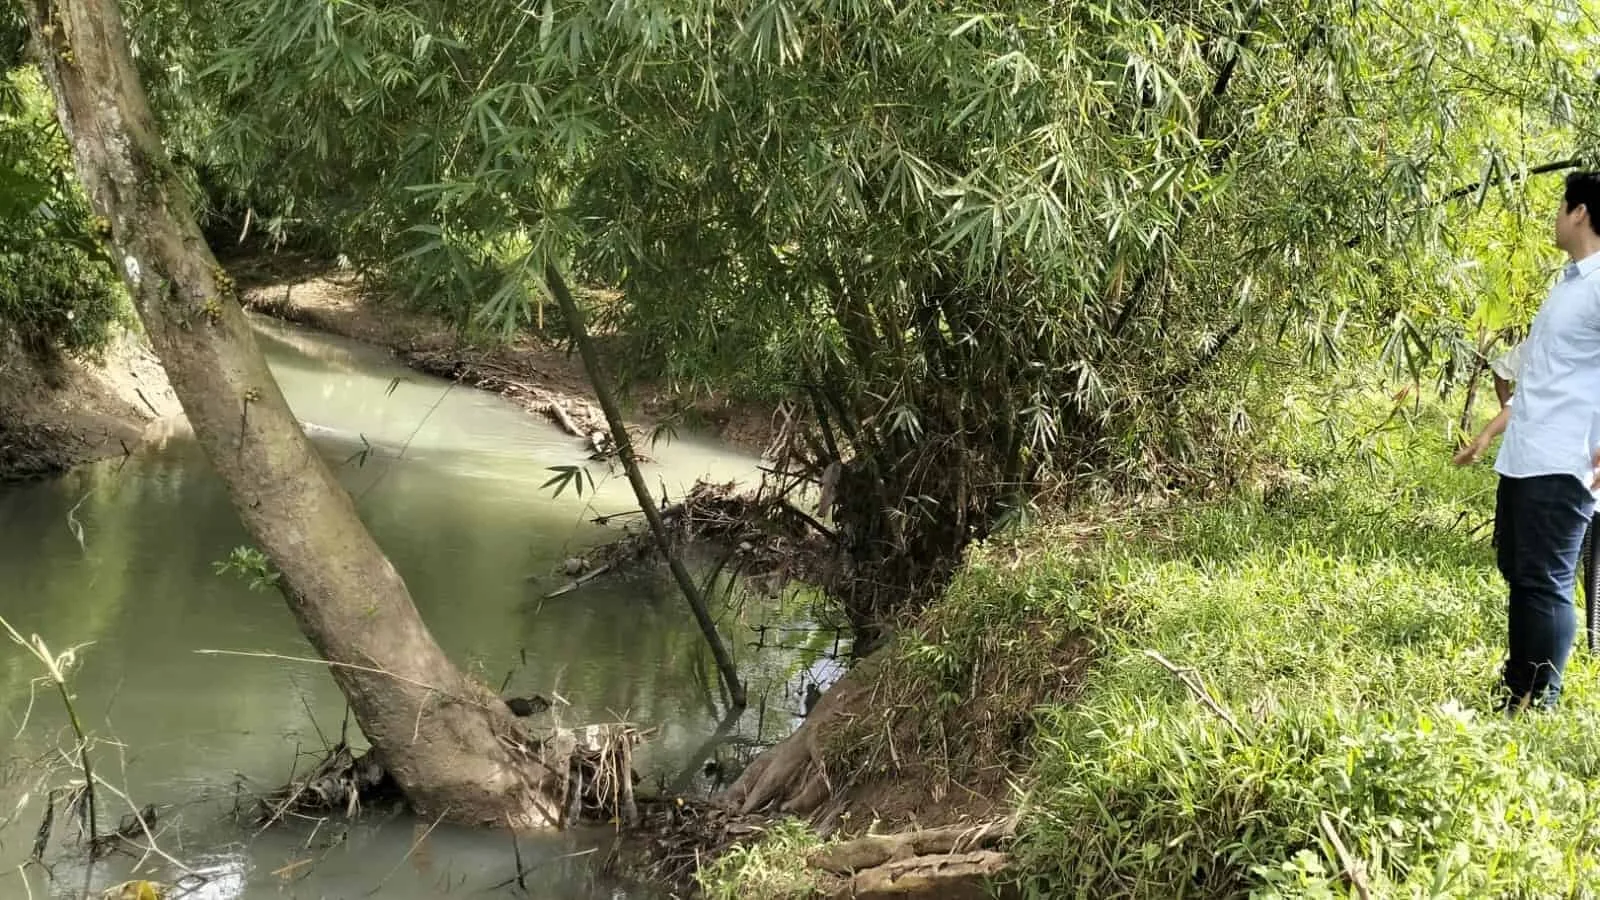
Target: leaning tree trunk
point(441, 735)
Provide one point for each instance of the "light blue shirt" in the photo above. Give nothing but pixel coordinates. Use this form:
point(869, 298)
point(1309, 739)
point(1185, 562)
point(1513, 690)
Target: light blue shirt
point(1555, 422)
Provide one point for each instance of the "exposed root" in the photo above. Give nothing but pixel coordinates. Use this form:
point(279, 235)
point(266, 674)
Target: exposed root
point(588, 770)
point(792, 777)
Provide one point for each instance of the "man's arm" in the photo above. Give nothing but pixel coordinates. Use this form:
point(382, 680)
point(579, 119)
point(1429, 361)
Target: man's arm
point(1502, 390)
point(1505, 368)
point(1474, 448)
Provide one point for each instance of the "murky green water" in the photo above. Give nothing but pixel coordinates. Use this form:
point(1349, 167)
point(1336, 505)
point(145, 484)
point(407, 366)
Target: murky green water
point(119, 558)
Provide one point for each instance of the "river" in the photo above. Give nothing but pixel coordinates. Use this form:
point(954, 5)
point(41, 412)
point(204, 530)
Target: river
point(119, 560)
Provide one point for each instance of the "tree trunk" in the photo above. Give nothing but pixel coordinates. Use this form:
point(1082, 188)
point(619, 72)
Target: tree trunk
point(449, 742)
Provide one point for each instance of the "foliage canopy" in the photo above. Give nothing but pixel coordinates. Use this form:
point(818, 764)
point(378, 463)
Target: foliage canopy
point(988, 249)
point(57, 289)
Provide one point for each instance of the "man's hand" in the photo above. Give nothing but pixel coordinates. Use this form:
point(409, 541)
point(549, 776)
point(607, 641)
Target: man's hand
point(1470, 453)
point(1595, 484)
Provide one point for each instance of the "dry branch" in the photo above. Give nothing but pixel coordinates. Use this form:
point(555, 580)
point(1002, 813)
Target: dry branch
point(861, 853)
point(1352, 868)
point(1191, 680)
point(957, 876)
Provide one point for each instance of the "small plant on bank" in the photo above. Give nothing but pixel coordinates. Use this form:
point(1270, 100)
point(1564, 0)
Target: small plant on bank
point(772, 868)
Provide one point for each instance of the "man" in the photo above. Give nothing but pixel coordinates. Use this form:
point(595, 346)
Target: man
point(1549, 458)
point(1507, 369)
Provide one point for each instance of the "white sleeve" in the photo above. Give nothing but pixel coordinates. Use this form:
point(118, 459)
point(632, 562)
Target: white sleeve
point(1508, 364)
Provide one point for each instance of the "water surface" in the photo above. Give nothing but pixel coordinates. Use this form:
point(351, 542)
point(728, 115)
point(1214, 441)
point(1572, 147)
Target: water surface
point(119, 560)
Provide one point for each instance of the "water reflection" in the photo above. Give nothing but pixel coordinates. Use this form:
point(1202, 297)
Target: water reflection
point(452, 493)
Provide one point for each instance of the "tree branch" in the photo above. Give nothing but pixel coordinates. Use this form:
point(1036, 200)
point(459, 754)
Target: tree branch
point(1560, 165)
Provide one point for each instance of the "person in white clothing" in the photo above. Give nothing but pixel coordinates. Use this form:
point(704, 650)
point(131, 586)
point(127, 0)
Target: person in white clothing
point(1506, 368)
point(1549, 458)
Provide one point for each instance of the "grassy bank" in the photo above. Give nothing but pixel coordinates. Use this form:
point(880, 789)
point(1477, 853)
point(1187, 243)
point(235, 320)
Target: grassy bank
point(1347, 622)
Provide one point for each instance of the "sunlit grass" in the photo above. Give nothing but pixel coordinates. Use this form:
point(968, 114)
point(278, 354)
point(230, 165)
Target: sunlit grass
point(1345, 613)
point(1353, 625)
point(771, 868)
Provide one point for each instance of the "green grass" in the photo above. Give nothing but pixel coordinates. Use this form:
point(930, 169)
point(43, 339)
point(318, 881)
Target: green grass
point(771, 868)
point(1346, 614)
point(1353, 627)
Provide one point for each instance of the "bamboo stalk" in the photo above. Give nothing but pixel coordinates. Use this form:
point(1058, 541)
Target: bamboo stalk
point(647, 504)
point(90, 816)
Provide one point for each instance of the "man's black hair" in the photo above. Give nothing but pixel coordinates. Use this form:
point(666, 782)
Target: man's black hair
point(1583, 189)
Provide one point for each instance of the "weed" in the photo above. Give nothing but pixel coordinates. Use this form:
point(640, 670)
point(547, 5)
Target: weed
point(771, 868)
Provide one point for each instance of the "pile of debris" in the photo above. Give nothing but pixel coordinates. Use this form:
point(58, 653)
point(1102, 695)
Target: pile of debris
point(598, 778)
point(579, 418)
point(763, 537)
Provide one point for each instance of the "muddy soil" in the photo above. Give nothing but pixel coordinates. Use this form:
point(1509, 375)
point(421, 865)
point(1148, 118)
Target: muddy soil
point(57, 412)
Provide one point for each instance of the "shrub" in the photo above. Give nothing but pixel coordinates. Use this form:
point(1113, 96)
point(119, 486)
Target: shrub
point(57, 287)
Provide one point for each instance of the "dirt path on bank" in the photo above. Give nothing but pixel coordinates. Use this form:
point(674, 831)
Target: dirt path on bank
point(532, 371)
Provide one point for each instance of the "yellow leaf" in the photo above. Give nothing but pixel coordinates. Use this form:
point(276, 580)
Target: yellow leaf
point(136, 890)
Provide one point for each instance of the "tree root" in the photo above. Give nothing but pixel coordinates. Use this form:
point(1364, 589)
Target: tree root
point(792, 777)
point(586, 773)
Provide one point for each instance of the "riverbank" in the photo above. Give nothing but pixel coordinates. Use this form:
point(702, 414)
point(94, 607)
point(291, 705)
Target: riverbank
point(1284, 693)
point(529, 370)
point(57, 412)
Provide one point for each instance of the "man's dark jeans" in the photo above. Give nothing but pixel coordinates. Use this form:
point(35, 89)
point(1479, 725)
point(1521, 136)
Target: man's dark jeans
point(1541, 521)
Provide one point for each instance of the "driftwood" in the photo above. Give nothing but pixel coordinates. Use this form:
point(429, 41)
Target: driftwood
point(849, 857)
point(559, 413)
point(579, 582)
point(954, 876)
